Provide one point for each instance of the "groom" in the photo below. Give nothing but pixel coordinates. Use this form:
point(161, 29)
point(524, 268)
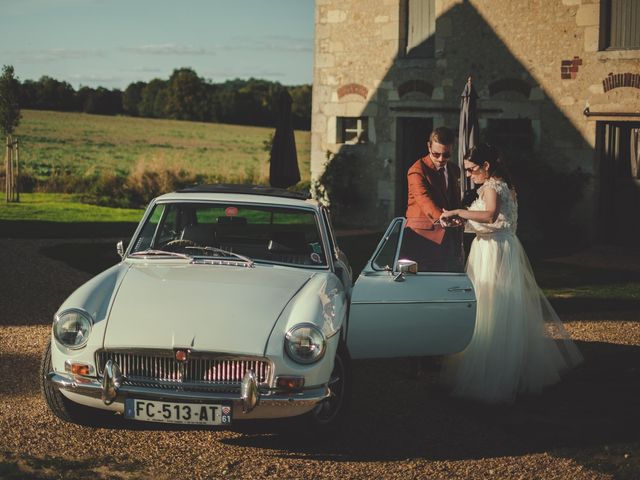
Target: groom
point(434, 185)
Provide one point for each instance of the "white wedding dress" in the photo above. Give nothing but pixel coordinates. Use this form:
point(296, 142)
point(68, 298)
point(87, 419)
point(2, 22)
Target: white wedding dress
point(519, 344)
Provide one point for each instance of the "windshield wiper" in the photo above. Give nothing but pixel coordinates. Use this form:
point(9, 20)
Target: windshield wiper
point(151, 251)
point(223, 252)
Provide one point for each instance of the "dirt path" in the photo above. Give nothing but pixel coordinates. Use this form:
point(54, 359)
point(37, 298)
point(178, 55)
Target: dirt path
point(585, 428)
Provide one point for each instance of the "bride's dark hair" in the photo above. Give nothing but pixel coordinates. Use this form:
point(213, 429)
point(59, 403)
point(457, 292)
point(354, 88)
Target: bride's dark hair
point(488, 153)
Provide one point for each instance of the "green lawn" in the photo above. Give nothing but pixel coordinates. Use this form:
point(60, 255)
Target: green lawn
point(84, 144)
point(60, 207)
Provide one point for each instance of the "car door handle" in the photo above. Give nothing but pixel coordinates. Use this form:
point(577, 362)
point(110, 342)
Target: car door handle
point(460, 289)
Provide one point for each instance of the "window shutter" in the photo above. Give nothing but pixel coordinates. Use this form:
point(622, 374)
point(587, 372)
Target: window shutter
point(421, 28)
point(625, 24)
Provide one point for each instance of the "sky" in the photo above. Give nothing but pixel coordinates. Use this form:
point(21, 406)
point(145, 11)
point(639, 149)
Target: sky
point(112, 43)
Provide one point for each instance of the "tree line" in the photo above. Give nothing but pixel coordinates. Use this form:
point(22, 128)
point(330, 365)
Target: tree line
point(184, 96)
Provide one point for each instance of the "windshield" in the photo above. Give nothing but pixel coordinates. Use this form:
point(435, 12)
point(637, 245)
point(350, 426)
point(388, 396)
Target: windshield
point(260, 233)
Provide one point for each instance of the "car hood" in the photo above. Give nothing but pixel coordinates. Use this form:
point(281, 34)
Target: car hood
point(202, 307)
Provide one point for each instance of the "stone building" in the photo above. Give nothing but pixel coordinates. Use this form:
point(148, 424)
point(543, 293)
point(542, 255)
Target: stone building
point(558, 82)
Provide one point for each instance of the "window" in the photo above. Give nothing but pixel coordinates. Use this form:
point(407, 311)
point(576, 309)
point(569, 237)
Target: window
point(266, 233)
point(619, 24)
point(511, 134)
point(149, 230)
point(386, 255)
point(622, 149)
point(352, 130)
point(619, 191)
point(421, 28)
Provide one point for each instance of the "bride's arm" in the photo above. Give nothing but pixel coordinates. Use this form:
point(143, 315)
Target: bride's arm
point(490, 197)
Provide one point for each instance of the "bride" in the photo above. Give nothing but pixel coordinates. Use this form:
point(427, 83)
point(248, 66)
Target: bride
point(519, 344)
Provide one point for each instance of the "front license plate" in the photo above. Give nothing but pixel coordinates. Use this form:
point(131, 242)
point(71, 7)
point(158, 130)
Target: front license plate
point(172, 412)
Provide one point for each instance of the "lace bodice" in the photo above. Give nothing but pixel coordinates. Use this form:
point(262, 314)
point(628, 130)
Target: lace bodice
point(507, 219)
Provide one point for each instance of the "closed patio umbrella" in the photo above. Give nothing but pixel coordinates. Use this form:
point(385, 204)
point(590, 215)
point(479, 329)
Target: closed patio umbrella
point(283, 168)
point(468, 134)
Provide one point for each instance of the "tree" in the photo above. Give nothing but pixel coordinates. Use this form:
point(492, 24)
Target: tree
point(9, 106)
point(185, 96)
point(301, 106)
point(147, 105)
point(28, 94)
point(104, 102)
point(9, 120)
point(54, 95)
point(132, 97)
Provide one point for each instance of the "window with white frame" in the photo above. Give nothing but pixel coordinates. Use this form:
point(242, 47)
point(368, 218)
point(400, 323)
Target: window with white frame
point(352, 130)
point(619, 24)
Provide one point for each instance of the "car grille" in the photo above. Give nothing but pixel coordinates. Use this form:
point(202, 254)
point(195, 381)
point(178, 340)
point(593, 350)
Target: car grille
point(161, 370)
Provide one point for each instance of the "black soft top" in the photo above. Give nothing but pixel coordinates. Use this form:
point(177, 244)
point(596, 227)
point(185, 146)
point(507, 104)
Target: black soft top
point(245, 189)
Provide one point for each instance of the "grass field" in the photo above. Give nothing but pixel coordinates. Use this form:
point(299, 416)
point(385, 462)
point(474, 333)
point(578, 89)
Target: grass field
point(83, 144)
point(65, 208)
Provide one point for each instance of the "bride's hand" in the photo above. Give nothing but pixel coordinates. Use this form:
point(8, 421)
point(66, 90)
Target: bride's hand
point(448, 213)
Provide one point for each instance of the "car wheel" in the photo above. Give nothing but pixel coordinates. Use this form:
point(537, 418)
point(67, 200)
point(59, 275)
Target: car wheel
point(61, 406)
point(328, 415)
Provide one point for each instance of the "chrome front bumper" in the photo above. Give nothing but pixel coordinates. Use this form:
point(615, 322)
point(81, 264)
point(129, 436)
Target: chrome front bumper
point(113, 390)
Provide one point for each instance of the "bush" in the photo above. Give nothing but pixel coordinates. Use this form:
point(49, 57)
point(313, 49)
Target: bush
point(140, 187)
point(117, 189)
point(338, 186)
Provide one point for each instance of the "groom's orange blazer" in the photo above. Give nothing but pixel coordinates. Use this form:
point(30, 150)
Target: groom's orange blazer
point(427, 198)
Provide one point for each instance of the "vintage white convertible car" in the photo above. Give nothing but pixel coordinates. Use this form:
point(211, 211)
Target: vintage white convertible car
point(235, 302)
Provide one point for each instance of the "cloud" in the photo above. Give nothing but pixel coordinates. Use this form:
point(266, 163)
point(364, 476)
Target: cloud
point(169, 49)
point(54, 54)
point(147, 69)
point(273, 43)
point(228, 73)
point(292, 44)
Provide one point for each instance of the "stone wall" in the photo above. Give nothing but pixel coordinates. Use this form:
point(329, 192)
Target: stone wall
point(536, 60)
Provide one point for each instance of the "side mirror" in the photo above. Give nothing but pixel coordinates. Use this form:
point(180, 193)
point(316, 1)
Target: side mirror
point(407, 266)
point(120, 249)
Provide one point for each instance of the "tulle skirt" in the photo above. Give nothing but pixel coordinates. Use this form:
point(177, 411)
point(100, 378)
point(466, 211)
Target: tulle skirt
point(519, 344)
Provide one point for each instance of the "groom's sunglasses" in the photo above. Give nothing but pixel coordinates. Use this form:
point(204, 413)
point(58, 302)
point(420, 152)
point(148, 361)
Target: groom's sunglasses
point(440, 154)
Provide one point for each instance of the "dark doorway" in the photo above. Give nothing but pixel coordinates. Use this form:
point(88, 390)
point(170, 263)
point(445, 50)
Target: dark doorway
point(412, 135)
point(618, 144)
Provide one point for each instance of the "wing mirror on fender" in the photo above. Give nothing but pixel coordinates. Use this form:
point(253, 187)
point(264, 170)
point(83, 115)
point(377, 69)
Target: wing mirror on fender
point(403, 267)
point(120, 248)
point(407, 266)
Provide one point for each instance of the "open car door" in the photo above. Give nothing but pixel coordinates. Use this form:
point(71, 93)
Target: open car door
point(399, 312)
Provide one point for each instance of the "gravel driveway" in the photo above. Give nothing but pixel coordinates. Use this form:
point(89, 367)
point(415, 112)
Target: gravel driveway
point(400, 427)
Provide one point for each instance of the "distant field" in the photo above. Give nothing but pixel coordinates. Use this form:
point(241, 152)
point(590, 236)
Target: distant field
point(84, 144)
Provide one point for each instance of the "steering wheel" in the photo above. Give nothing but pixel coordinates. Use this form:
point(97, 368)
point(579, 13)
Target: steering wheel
point(180, 242)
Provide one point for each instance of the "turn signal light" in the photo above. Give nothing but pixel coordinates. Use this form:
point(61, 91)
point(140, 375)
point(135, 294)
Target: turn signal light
point(290, 383)
point(77, 368)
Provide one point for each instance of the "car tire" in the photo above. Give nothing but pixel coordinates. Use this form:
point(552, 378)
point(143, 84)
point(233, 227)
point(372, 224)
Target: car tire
point(61, 406)
point(329, 415)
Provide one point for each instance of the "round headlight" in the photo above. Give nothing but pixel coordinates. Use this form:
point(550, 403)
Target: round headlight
point(305, 343)
point(72, 327)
